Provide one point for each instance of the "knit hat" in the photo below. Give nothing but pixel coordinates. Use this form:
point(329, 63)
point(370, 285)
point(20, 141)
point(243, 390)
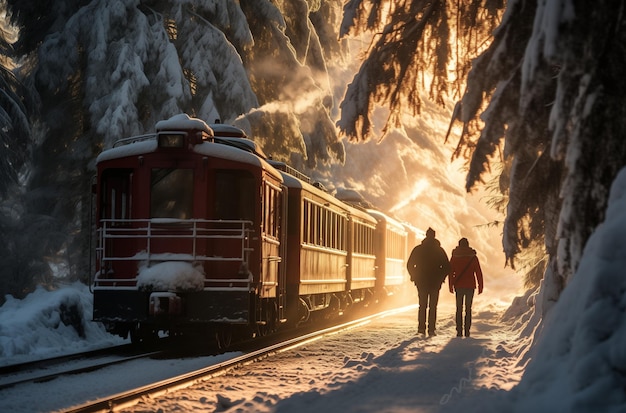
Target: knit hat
point(430, 232)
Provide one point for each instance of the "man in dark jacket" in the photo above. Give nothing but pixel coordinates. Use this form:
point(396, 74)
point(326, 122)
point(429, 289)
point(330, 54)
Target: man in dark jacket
point(428, 266)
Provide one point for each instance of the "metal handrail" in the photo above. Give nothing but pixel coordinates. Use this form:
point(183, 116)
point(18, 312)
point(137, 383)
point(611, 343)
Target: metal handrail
point(157, 228)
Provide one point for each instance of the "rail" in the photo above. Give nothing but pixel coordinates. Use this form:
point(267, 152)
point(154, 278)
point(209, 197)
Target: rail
point(127, 399)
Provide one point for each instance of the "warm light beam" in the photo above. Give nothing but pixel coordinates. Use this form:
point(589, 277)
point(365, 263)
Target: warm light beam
point(419, 188)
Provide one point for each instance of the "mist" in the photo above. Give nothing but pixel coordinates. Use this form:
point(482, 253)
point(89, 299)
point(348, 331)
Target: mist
point(410, 175)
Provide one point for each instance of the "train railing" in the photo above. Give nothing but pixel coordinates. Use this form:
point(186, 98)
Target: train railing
point(222, 247)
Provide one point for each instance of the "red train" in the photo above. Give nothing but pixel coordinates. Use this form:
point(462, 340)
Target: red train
point(198, 232)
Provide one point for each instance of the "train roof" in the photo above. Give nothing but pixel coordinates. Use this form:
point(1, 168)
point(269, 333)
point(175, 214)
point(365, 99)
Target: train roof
point(182, 121)
point(222, 129)
point(143, 144)
point(234, 136)
point(354, 198)
point(236, 154)
point(241, 143)
point(419, 233)
point(221, 141)
point(382, 217)
point(293, 182)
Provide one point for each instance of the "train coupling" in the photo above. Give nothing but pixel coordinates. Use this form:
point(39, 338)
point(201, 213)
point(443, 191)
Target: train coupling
point(165, 303)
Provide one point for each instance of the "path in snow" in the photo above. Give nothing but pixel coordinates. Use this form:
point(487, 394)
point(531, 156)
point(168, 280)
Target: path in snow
point(382, 367)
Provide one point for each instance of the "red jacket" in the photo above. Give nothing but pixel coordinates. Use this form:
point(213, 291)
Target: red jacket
point(465, 269)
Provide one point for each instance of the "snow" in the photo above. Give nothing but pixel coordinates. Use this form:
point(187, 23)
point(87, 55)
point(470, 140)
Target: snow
point(183, 122)
point(580, 355)
point(171, 276)
point(572, 361)
point(32, 328)
point(576, 363)
point(136, 148)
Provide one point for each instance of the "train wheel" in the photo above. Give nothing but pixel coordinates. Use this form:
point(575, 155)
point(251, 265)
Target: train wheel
point(304, 311)
point(140, 335)
point(224, 338)
point(268, 322)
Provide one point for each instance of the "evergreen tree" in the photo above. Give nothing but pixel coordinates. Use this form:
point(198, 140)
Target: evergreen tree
point(288, 73)
point(547, 89)
point(554, 83)
point(414, 43)
point(17, 103)
point(104, 70)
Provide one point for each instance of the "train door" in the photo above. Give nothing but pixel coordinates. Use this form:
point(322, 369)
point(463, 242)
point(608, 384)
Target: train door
point(171, 200)
point(270, 228)
point(114, 211)
point(115, 194)
point(234, 201)
point(282, 268)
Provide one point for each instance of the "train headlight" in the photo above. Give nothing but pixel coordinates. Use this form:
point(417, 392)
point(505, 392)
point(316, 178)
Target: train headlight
point(171, 140)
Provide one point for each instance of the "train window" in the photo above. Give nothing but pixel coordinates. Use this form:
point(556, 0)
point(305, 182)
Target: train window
point(171, 194)
point(317, 225)
point(115, 196)
point(312, 219)
point(234, 195)
point(306, 227)
point(322, 226)
point(271, 211)
point(396, 244)
point(333, 230)
point(341, 228)
point(363, 239)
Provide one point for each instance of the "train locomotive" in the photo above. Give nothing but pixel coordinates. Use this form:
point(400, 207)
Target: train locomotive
point(198, 232)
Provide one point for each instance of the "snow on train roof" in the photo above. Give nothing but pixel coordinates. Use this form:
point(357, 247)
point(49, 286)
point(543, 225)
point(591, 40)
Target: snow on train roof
point(131, 149)
point(222, 129)
point(292, 182)
point(212, 149)
point(182, 121)
point(226, 146)
point(235, 154)
point(382, 217)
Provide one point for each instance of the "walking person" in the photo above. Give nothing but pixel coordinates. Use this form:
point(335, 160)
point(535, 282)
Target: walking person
point(428, 266)
point(465, 274)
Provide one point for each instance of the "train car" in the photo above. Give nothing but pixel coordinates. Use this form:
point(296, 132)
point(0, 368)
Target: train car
point(200, 234)
point(415, 236)
point(392, 252)
point(330, 250)
point(188, 233)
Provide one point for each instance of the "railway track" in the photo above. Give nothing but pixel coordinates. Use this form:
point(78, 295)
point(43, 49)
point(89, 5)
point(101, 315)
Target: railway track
point(72, 384)
point(44, 370)
point(125, 399)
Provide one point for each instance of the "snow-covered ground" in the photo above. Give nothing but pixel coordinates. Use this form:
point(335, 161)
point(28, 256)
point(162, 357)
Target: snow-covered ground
point(573, 361)
point(383, 366)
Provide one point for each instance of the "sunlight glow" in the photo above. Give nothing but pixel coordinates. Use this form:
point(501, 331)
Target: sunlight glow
point(419, 188)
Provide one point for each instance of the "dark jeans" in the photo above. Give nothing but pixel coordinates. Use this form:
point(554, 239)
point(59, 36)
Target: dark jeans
point(428, 298)
point(467, 295)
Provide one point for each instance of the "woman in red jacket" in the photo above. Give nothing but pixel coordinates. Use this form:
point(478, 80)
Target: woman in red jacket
point(465, 274)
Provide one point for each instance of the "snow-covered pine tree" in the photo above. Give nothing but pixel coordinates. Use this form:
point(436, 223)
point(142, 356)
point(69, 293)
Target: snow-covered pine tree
point(17, 103)
point(110, 69)
point(288, 73)
point(546, 89)
point(555, 86)
point(410, 55)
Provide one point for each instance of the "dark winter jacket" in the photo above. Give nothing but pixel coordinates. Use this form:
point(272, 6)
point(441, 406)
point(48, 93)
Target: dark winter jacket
point(465, 269)
point(428, 264)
